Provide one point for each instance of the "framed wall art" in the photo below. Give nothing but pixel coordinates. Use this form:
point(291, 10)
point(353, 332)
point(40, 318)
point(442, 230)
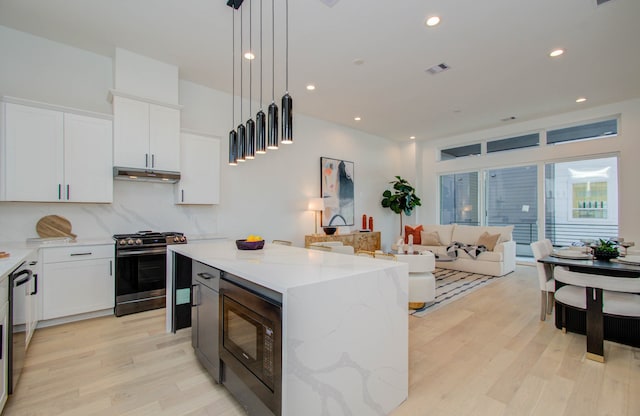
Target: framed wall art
point(336, 189)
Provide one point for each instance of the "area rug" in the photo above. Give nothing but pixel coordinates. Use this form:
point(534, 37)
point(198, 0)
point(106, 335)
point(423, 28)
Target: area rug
point(452, 285)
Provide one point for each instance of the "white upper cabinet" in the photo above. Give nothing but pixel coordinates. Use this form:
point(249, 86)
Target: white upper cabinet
point(200, 175)
point(54, 156)
point(88, 164)
point(146, 135)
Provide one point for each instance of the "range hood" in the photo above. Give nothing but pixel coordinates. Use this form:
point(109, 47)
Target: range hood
point(145, 175)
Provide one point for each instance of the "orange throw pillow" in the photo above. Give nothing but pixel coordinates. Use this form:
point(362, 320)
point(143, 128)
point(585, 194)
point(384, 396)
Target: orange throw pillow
point(408, 230)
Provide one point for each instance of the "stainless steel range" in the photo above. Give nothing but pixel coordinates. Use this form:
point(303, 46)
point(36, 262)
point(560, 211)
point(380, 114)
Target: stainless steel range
point(141, 270)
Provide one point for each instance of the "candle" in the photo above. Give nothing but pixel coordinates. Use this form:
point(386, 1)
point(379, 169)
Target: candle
point(370, 223)
point(364, 221)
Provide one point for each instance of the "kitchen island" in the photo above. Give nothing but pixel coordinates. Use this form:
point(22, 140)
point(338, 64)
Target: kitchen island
point(344, 324)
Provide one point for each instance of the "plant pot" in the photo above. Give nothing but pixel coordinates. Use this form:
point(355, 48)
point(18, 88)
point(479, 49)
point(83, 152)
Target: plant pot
point(604, 255)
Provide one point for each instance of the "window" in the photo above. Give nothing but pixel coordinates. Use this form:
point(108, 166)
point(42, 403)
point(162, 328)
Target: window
point(604, 128)
point(459, 199)
point(512, 199)
point(581, 200)
point(462, 151)
point(520, 142)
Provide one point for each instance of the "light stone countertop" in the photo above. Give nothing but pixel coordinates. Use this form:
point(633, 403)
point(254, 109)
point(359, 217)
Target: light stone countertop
point(344, 323)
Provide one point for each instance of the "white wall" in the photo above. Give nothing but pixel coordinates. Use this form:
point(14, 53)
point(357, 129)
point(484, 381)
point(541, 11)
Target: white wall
point(625, 145)
point(267, 196)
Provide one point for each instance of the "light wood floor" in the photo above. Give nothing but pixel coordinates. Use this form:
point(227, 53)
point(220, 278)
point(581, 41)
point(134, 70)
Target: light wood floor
point(486, 354)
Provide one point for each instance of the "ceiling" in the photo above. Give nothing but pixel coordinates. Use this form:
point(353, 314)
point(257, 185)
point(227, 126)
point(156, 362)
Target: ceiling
point(369, 58)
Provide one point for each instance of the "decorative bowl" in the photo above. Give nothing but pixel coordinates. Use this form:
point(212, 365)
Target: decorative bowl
point(329, 230)
point(249, 245)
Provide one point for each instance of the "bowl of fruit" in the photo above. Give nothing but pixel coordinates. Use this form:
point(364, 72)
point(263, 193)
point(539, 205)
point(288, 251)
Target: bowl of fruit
point(252, 242)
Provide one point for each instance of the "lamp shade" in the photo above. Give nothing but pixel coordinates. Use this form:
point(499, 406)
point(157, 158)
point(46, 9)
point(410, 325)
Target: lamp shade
point(233, 148)
point(316, 204)
point(241, 149)
point(287, 119)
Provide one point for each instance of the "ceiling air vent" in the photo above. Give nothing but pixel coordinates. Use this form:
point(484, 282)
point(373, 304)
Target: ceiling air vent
point(600, 2)
point(436, 69)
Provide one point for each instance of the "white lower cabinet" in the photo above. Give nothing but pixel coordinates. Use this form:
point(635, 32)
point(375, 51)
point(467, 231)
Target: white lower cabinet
point(77, 280)
point(4, 326)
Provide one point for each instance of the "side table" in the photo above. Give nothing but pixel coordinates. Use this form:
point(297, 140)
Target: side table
point(422, 283)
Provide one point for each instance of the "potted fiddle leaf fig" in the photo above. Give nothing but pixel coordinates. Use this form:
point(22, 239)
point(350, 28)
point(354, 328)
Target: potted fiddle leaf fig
point(402, 199)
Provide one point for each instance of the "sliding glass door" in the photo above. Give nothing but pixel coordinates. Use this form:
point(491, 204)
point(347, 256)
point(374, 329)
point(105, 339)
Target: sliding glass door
point(459, 199)
point(581, 200)
point(511, 198)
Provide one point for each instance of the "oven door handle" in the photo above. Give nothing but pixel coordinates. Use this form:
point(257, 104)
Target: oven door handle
point(161, 250)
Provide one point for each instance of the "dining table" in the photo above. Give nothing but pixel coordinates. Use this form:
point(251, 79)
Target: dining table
point(616, 268)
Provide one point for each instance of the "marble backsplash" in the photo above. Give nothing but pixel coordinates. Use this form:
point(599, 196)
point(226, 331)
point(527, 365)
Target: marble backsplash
point(136, 206)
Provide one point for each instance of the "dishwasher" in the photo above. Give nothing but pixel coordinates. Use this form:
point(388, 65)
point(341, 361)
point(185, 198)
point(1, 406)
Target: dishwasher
point(19, 282)
point(205, 282)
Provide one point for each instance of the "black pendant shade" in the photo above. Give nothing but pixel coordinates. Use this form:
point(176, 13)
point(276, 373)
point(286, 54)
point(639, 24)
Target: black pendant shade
point(251, 140)
point(242, 140)
point(233, 148)
point(273, 127)
point(261, 133)
point(287, 119)
point(256, 137)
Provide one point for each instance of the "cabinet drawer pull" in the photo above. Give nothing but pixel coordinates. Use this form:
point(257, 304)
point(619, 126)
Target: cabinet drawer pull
point(110, 267)
point(1, 340)
point(153, 160)
point(193, 295)
point(68, 197)
point(146, 160)
point(59, 191)
point(182, 193)
point(206, 275)
point(35, 285)
point(88, 253)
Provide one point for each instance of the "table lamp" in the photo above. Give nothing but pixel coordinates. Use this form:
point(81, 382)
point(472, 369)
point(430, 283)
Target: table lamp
point(317, 205)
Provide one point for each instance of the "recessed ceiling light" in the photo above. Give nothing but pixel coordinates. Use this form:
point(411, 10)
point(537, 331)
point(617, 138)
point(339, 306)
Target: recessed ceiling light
point(412, 137)
point(357, 118)
point(311, 87)
point(432, 21)
point(358, 61)
point(249, 55)
point(581, 100)
point(556, 52)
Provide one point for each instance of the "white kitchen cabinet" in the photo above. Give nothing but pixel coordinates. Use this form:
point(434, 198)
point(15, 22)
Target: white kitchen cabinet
point(55, 156)
point(146, 135)
point(4, 326)
point(77, 280)
point(200, 170)
point(88, 161)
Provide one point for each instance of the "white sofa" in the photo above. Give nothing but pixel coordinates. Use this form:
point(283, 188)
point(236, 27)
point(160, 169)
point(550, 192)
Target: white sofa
point(497, 262)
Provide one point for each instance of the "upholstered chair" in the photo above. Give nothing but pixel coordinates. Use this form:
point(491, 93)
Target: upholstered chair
point(540, 250)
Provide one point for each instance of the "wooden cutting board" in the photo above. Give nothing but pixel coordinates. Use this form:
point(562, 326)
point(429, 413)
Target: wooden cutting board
point(54, 226)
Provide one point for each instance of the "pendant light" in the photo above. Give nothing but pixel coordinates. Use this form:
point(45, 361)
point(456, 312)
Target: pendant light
point(251, 126)
point(233, 136)
point(273, 108)
point(287, 101)
point(242, 140)
point(261, 129)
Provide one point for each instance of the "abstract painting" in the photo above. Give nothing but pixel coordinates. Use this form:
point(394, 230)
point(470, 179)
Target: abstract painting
point(337, 192)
